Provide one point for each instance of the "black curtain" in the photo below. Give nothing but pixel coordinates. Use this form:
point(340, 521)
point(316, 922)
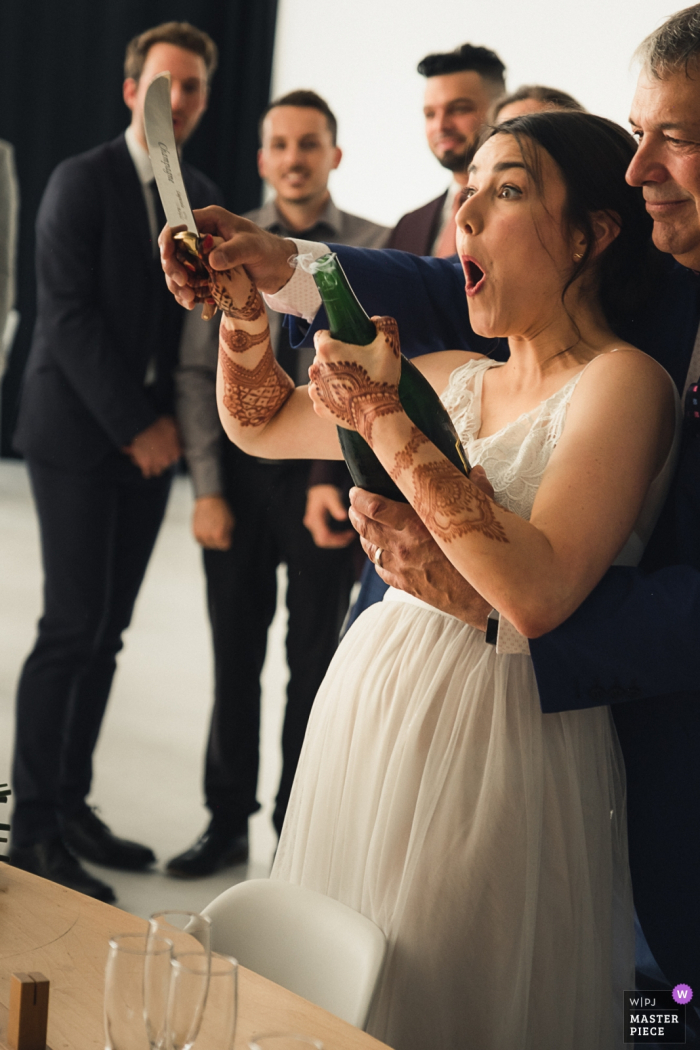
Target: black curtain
point(61, 74)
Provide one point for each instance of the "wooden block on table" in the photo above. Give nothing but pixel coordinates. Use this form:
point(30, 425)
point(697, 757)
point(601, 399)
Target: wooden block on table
point(29, 1011)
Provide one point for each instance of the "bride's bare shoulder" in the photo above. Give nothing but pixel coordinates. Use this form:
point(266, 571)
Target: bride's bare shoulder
point(626, 390)
point(438, 367)
point(625, 361)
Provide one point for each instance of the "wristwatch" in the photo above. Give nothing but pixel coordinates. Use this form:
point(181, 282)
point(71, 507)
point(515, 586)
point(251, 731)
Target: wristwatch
point(492, 627)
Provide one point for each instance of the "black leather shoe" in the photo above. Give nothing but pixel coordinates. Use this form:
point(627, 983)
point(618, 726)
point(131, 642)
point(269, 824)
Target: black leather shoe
point(52, 860)
point(213, 851)
point(90, 838)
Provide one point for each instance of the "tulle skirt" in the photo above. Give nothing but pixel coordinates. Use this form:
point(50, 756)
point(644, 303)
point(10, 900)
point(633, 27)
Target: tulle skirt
point(487, 840)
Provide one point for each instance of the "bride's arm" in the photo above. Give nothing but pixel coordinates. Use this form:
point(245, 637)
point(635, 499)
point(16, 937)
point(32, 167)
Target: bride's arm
point(260, 409)
point(618, 431)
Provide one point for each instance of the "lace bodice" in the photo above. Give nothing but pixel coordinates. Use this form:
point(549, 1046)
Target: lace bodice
point(515, 457)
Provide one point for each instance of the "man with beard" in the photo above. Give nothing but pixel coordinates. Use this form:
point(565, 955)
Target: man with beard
point(250, 514)
point(461, 86)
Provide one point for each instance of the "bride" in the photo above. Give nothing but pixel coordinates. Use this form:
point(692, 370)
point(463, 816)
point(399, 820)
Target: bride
point(486, 839)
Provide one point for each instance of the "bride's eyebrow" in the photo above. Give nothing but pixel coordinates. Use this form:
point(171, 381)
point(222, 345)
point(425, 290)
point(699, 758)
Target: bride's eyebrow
point(504, 165)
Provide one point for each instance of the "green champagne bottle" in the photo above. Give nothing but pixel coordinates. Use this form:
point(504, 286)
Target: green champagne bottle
point(349, 322)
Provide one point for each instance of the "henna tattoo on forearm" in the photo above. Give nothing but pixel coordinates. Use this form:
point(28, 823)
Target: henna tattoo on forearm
point(450, 506)
point(372, 407)
point(390, 330)
point(346, 390)
point(404, 459)
point(239, 341)
point(252, 396)
point(251, 309)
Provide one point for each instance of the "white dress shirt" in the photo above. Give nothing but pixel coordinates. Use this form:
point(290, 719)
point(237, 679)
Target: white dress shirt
point(144, 170)
point(446, 213)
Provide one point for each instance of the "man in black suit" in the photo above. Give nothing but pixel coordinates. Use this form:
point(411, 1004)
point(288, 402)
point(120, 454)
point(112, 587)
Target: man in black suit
point(460, 88)
point(97, 430)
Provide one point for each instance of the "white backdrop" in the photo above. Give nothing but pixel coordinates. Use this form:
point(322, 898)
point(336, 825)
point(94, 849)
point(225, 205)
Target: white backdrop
point(361, 55)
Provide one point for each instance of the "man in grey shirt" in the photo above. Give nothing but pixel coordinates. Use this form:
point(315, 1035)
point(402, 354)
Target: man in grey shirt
point(250, 513)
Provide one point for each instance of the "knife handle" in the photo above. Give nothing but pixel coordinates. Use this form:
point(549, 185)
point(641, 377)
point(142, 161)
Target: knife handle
point(189, 245)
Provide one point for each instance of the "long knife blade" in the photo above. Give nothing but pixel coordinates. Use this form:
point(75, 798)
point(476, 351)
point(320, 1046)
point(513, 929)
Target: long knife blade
point(158, 125)
point(158, 122)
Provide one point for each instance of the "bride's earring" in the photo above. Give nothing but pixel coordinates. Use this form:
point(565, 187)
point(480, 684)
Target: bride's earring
point(578, 256)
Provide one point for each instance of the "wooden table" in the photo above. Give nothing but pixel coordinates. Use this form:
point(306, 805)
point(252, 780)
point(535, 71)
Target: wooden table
point(64, 935)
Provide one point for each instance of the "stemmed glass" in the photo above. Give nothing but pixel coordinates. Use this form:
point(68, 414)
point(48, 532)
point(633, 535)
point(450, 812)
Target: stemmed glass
point(203, 1001)
point(137, 981)
point(190, 934)
point(188, 930)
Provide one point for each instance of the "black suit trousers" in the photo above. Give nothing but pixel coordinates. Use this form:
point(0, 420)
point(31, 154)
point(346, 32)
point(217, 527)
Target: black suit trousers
point(98, 528)
point(268, 501)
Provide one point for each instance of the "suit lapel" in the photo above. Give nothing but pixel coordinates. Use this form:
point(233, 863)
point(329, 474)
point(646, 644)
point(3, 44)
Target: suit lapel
point(666, 327)
point(128, 194)
point(431, 218)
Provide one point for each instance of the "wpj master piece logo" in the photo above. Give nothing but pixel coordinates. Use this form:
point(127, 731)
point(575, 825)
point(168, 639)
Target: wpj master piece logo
point(657, 1016)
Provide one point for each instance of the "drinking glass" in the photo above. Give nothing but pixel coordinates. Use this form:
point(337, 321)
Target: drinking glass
point(137, 980)
point(284, 1041)
point(188, 930)
point(203, 1001)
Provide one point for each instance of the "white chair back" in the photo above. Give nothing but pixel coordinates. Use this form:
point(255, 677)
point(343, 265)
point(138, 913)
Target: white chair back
point(307, 942)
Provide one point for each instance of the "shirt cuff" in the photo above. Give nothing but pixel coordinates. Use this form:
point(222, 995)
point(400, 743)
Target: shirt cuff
point(299, 296)
point(510, 641)
point(206, 476)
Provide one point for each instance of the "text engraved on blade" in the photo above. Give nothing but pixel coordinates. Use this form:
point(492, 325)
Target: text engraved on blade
point(165, 157)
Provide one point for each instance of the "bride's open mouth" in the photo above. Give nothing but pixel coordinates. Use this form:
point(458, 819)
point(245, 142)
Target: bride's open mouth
point(474, 274)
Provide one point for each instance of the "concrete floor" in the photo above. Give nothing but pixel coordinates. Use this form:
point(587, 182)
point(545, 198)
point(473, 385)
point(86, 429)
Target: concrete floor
point(148, 763)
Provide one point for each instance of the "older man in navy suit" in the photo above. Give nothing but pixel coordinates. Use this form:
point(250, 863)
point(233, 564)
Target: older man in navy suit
point(97, 430)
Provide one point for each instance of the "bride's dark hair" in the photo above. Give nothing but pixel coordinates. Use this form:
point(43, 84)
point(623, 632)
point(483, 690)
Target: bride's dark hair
point(593, 154)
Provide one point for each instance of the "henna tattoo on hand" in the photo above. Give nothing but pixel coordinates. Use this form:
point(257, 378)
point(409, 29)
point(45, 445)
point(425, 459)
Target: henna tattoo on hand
point(197, 273)
point(221, 291)
point(346, 390)
point(254, 395)
point(404, 458)
point(390, 330)
point(238, 341)
point(220, 282)
point(450, 506)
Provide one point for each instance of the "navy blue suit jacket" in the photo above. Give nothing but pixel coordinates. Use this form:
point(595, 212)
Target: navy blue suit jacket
point(103, 313)
point(637, 636)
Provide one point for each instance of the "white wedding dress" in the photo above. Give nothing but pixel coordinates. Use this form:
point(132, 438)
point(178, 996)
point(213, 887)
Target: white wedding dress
point(487, 840)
